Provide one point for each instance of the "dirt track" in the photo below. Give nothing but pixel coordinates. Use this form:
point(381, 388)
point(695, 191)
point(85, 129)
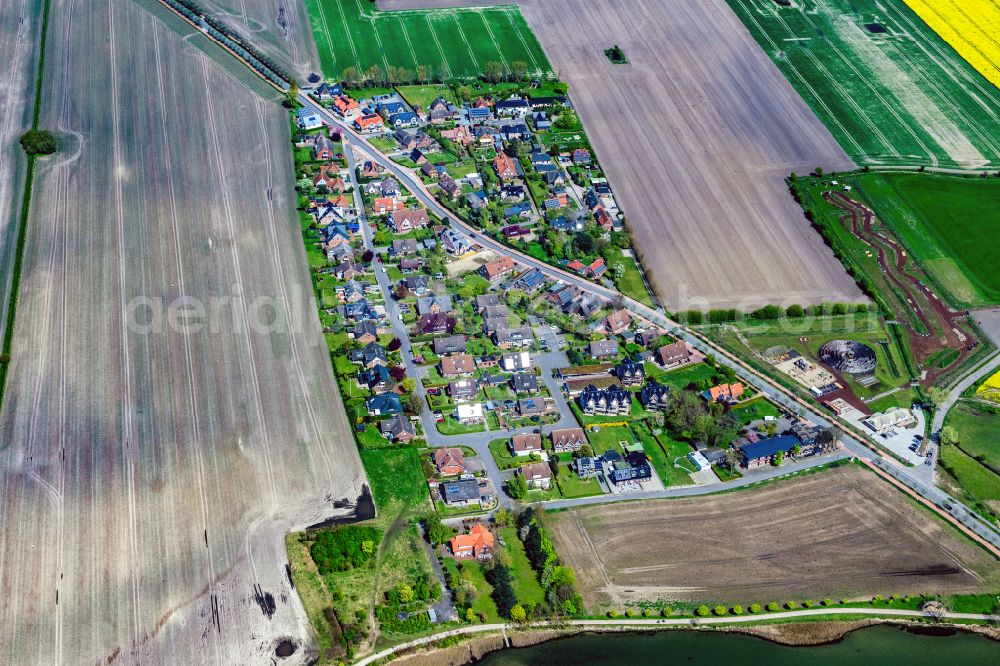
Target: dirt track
point(147, 473)
point(840, 533)
point(924, 303)
point(696, 135)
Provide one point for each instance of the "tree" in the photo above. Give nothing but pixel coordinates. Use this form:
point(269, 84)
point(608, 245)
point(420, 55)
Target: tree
point(949, 435)
point(422, 74)
point(405, 593)
point(502, 517)
point(350, 76)
point(561, 87)
point(796, 450)
point(773, 606)
point(436, 531)
point(292, 94)
point(39, 142)
point(720, 610)
point(779, 458)
point(519, 69)
point(517, 487)
point(791, 605)
point(470, 615)
point(585, 451)
point(397, 372)
point(567, 120)
point(795, 311)
point(414, 403)
point(394, 344)
point(767, 312)
point(492, 71)
point(702, 611)
point(518, 614)
point(737, 610)
point(754, 608)
point(409, 385)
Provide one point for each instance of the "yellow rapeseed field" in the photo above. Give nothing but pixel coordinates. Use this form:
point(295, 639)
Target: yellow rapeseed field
point(970, 27)
point(990, 390)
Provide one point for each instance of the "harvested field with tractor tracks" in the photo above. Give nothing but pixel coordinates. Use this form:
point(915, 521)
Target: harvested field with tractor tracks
point(153, 454)
point(841, 533)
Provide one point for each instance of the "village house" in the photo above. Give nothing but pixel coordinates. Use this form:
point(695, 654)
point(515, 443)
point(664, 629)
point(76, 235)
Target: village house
point(634, 467)
point(418, 284)
point(449, 344)
point(460, 492)
point(673, 355)
point(526, 444)
point(376, 379)
point(323, 149)
point(457, 364)
point(630, 373)
point(897, 417)
point(613, 400)
point(435, 324)
point(408, 219)
point(763, 452)
point(397, 429)
point(346, 107)
point(492, 325)
point(516, 361)
point(371, 169)
point(469, 413)
point(567, 439)
point(347, 270)
point(724, 393)
point(477, 544)
point(370, 355)
point(440, 111)
point(369, 123)
point(364, 332)
point(433, 304)
point(586, 467)
point(484, 301)
point(327, 91)
point(463, 390)
point(524, 382)
point(505, 166)
point(581, 156)
point(307, 119)
point(618, 322)
point(403, 246)
point(382, 205)
point(497, 268)
point(603, 348)
point(538, 475)
point(454, 243)
point(655, 396)
point(449, 461)
point(384, 404)
point(459, 135)
point(449, 186)
point(513, 338)
point(527, 407)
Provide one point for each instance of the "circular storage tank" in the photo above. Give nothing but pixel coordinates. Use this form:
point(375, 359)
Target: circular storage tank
point(848, 356)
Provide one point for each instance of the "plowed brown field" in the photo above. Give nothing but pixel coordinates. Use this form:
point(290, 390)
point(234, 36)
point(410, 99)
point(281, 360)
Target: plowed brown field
point(839, 533)
point(148, 469)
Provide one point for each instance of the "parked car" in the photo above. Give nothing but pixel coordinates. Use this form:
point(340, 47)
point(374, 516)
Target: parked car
point(434, 391)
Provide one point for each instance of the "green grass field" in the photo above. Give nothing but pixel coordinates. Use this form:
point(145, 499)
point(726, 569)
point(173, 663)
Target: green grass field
point(979, 431)
point(946, 223)
point(449, 43)
point(901, 97)
point(949, 223)
point(973, 462)
point(396, 477)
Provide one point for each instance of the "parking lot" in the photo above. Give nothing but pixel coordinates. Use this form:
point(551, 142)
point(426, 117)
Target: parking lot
point(898, 440)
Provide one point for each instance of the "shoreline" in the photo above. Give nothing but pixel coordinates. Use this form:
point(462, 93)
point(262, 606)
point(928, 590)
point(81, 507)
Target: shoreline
point(792, 634)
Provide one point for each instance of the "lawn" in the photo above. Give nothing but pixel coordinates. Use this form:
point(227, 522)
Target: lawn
point(384, 143)
point(663, 451)
point(484, 602)
point(974, 462)
point(395, 477)
point(683, 376)
point(754, 410)
point(608, 438)
point(451, 426)
point(570, 485)
point(448, 43)
point(526, 585)
point(948, 223)
point(424, 95)
point(901, 96)
point(632, 284)
point(502, 456)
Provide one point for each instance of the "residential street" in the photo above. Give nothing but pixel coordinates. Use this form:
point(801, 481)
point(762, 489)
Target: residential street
point(908, 476)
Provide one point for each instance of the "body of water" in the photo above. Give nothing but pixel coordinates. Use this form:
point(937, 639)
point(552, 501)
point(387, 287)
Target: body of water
point(875, 645)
